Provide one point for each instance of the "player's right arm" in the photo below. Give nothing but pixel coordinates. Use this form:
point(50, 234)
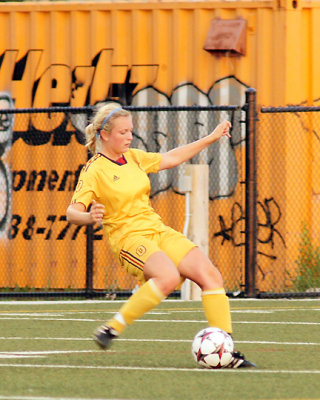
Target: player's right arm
point(77, 213)
point(179, 155)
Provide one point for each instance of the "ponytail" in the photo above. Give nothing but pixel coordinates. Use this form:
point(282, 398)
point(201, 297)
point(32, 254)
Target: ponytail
point(91, 140)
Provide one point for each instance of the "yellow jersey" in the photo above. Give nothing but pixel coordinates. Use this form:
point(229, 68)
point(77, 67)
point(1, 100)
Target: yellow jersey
point(124, 190)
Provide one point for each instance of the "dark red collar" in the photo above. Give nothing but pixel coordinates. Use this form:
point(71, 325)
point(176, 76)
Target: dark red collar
point(120, 161)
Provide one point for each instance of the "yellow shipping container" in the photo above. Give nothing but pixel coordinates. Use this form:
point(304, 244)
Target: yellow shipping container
point(152, 53)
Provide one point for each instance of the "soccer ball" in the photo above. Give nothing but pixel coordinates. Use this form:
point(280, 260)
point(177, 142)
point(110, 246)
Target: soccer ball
point(212, 348)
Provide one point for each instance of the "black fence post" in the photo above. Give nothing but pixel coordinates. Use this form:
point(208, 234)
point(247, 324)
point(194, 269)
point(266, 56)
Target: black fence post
point(251, 195)
point(89, 255)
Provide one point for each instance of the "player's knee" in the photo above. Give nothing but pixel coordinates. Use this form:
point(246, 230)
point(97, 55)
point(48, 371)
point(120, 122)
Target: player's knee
point(175, 280)
point(170, 282)
point(209, 278)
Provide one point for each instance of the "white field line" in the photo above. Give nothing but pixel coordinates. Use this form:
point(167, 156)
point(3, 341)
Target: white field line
point(43, 352)
point(233, 322)
point(189, 302)
point(53, 302)
point(161, 320)
point(161, 340)
point(31, 314)
point(39, 354)
point(18, 356)
point(49, 319)
point(167, 369)
point(61, 313)
point(53, 398)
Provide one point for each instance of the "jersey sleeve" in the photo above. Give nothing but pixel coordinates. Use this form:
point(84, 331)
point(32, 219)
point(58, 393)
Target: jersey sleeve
point(148, 161)
point(85, 190)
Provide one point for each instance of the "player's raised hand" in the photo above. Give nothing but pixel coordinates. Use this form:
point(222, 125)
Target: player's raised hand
point(96, 212)
point(223, 129)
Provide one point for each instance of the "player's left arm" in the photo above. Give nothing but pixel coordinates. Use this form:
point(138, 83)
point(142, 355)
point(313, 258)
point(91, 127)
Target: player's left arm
point(184, 153)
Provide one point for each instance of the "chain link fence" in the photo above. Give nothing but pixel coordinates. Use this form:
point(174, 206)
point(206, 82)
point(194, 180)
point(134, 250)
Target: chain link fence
point(42, 154)
point(288, 208)
point(264, 208)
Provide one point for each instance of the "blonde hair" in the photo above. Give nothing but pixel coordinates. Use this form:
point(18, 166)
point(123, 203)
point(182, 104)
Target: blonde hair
point(102, 119)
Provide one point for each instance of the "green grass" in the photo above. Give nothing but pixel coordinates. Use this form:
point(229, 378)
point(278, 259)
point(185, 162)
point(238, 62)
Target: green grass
point(156, 367)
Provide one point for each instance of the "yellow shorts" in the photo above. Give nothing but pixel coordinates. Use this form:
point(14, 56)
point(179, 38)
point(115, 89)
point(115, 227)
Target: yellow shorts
point(137, 249)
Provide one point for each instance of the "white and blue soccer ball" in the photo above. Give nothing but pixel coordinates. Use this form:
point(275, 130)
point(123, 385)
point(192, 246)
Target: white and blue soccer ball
point(212, 348)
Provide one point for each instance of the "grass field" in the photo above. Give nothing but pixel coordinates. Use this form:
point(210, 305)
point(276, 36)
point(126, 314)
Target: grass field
point(46, 352)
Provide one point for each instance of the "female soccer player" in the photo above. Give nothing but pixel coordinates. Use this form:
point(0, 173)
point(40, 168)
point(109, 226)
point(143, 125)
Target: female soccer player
point(113, 189)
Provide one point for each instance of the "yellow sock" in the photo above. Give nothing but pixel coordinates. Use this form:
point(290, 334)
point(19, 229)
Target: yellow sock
point(143, 300)
point(217, 309)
